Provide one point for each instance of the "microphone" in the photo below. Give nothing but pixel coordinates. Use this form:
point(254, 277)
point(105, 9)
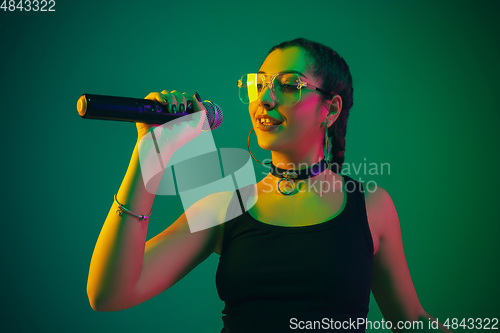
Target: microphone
point(91, 106)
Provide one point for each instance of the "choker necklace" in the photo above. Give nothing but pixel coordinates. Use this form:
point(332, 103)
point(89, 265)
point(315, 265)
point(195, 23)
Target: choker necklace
point(290, 174)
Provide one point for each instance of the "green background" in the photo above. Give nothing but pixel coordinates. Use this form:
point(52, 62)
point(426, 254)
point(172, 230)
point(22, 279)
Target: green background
point(425, 77)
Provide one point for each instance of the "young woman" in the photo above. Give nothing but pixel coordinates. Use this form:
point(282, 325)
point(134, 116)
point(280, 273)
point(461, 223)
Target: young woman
point(309, 251)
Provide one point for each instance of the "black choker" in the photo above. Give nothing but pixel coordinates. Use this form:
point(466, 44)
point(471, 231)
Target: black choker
point(289, 174)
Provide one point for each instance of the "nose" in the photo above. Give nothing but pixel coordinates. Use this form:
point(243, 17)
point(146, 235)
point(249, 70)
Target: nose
point(266, 99)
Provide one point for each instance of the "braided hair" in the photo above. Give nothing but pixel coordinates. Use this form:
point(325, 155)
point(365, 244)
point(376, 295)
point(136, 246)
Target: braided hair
point(335, 77)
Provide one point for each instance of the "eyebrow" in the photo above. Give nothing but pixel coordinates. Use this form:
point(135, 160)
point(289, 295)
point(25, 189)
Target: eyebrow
point(286, 72)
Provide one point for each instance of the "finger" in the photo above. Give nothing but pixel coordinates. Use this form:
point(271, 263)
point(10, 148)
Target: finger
point(172, 102)
point(164, 99)
point(197, 104)
point(157, 97)
point(199, 109)
point(188, 100)
point(154, 96)
point(181, 101)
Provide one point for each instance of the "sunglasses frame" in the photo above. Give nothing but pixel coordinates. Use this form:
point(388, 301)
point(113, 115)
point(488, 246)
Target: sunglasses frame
point(270, 84)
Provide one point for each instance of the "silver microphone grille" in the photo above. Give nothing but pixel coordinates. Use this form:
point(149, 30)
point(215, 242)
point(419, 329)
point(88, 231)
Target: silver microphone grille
point(214, 116)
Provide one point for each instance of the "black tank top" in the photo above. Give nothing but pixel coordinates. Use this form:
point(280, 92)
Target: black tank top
point(287, 279)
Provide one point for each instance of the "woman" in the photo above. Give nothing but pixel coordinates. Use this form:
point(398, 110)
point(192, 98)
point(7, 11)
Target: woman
point(305, 255)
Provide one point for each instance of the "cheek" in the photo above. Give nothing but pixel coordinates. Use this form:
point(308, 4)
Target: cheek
point(312, 103)
point(252, 110)
point(305, 113)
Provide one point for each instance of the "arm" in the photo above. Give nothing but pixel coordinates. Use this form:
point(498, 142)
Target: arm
point(125, 270)
point(392, 285)
point(116, 262)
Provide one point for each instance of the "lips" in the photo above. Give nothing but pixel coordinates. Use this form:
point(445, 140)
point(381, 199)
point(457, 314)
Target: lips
point(268, 120)
point(268, 128)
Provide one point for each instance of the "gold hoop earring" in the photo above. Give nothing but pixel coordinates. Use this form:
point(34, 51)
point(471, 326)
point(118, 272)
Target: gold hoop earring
point(251, 151)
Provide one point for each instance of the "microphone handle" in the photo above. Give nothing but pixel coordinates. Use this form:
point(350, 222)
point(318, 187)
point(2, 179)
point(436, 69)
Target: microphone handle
point(91, 106)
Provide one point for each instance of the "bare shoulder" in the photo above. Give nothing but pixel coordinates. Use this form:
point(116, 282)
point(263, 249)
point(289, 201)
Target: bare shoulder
point(380, 210)
point(392, 286)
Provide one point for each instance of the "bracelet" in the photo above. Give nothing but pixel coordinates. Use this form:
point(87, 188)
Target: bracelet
point(122, 209)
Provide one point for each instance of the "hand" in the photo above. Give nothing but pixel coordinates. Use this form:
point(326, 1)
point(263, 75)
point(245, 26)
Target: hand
point(174, 134)
point(157, 143)
point(175, 102)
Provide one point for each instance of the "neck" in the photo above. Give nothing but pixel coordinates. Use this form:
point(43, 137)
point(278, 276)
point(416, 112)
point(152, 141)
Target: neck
point(297, 159)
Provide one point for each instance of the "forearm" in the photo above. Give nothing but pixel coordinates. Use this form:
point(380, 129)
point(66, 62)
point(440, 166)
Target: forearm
point(118, 255)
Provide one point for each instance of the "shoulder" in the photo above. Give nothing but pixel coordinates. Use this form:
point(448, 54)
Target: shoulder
point(376, 196)
point(392, 285)
point(380, 210)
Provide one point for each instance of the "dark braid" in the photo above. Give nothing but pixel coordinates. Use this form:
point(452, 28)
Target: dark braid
point(335, 77)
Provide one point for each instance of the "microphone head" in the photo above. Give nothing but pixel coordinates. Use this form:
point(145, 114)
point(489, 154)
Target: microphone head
point(214, 116)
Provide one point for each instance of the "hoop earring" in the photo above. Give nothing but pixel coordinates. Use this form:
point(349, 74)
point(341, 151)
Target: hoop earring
point(251, 151)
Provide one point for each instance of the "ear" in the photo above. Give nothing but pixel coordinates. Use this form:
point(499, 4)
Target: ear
point(334, 108)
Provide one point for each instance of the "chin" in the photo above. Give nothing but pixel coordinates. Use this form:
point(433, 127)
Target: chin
point(268, 143)
point(265, 144)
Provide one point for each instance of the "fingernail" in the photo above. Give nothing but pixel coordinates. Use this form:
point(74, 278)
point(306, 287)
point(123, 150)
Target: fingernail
point(189, 103)
point(197, 96)
point(181, 108)
point(174, 108)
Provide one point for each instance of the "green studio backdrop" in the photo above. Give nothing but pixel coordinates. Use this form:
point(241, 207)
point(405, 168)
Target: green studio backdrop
point(425, 79)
